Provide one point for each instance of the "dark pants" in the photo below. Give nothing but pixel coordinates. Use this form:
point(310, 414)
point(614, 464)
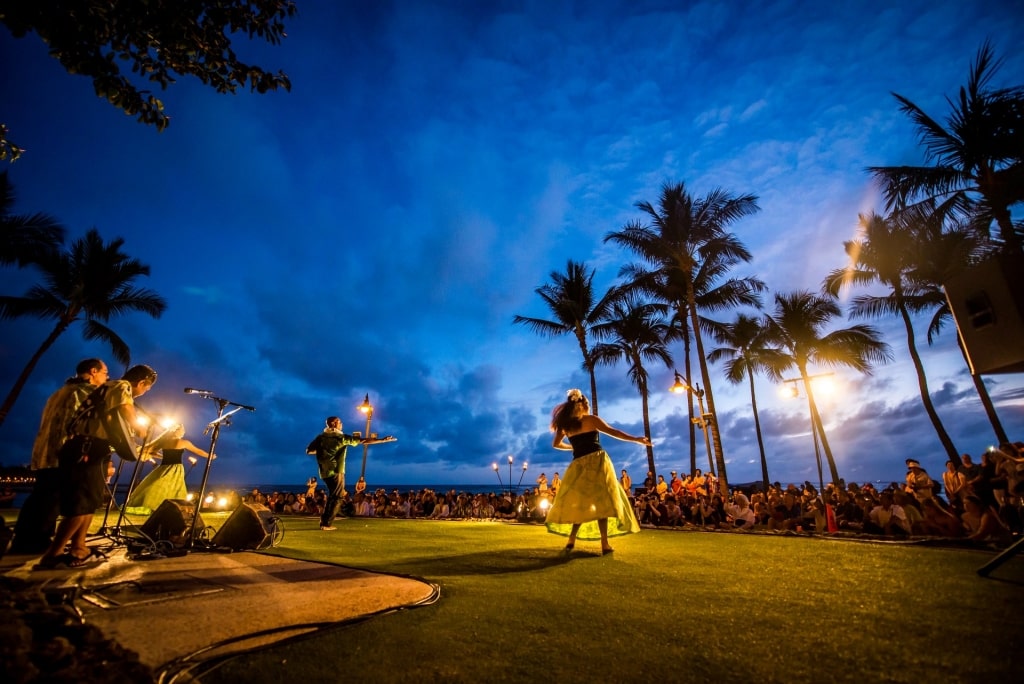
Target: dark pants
point(83, 475)
point(335, 485)
point(37, 519)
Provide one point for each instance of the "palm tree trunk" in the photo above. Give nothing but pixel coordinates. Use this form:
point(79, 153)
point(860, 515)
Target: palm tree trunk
point(757, 429)
point(922, 383)
point(688, 369)
point(19, 384)
point(647, 429)
point(986, 400)
point(816, 422)
point(723, 484)
point(593, 388)
point(588, 363)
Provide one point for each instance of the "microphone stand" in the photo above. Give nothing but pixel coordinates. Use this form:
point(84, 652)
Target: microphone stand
point(222, 419)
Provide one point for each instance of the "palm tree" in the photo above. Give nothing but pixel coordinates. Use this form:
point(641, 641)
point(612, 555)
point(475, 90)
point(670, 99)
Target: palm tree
point(25, 239)
point(688, 233)
point(570, 297)
point(91, 281)
point(796, 327)
point(946, 252)
point(747, 351)
point(635, 332)
point(885, 254)
point(978, 156)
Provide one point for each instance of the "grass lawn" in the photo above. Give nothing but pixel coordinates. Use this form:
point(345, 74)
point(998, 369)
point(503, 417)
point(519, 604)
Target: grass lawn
point(666, 606)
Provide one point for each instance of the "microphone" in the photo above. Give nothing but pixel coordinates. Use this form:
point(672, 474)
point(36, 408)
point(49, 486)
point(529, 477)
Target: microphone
point(192, 390)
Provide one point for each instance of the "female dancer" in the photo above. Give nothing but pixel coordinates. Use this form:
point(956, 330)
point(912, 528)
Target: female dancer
point(167, 481)
point(589, 494)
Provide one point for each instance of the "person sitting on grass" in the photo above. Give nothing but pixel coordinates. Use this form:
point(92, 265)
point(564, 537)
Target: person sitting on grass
point(940, 522)
point(982, 523)
point(673, 513)
point(740, 513)
point(887, 518)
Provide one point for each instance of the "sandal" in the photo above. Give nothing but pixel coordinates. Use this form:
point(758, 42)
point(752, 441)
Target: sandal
point(94, 558)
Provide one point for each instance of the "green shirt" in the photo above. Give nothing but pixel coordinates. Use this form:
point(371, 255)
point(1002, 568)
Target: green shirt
point(330, 447)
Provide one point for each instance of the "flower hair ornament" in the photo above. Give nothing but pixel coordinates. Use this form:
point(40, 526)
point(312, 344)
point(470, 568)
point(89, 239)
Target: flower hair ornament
point(574, 395)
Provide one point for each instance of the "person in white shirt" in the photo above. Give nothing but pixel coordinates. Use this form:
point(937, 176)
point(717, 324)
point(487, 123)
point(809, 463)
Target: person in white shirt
point(887, 517)
point(740, 512)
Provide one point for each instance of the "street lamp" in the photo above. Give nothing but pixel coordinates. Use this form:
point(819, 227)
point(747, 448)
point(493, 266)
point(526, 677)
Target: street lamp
point(703, 420)
point(367, 409)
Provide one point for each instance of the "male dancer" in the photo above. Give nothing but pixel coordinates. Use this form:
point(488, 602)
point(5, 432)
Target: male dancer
point(330, 448)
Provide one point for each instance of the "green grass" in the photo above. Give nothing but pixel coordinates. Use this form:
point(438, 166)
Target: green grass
point(666, 606)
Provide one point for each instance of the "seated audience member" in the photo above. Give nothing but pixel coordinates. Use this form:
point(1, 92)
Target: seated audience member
point(505, 509)
point(939, 522)
point(673, 513)
point(887, 517)
point(740, 512)
point(982, 523)
point(787, 512)
point(910, 504)
point(647, 509)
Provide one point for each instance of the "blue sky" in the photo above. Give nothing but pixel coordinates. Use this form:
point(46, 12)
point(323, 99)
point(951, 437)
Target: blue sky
point(375, 230)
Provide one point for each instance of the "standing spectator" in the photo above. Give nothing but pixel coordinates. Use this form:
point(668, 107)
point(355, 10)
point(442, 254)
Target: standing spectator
point(661, 489)
point(953, 482)
point(649, 482)
point(627, 482)
point(969, 468)
point(918, 482)
point(589, 493)
point(556, 482)
point(542, 483)
point(676, 485)
point(37, 519)
point(710, 482)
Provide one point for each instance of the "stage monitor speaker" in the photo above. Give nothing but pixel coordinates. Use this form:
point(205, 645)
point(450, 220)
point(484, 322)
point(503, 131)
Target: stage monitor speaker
point(172, 521)
point(250, 526)
point(987, 302)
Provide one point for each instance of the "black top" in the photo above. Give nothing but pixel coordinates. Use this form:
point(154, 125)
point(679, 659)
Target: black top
point(171, 456)
point(585, 443)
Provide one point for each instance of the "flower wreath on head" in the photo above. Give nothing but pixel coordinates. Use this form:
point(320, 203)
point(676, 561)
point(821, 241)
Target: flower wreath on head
point(574, 395)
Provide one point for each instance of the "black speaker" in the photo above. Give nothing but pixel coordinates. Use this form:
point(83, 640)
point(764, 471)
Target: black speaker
point(172, 521)
point(987, 301)
point(250, 526)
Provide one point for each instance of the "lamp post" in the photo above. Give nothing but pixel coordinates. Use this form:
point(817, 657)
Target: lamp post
point(701, 421)
point(367, 409)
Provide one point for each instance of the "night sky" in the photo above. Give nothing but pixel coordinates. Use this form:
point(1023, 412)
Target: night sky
point(376, 230)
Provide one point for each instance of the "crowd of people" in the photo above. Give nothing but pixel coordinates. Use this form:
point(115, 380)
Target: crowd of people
point(974, 501)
